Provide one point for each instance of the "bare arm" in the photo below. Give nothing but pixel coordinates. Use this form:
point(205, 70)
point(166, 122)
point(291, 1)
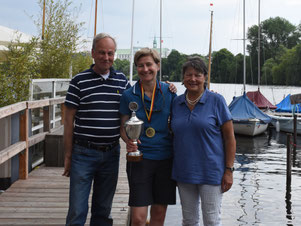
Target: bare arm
point(68, 138)
point(172, 87)
point(130, 146)
point(230, 149)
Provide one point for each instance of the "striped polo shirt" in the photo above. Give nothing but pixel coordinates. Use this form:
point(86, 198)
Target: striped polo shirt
point(97, 102)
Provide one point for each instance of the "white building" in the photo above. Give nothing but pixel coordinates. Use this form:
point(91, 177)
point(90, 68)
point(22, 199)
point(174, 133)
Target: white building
point(8, 35)
point(125, 54)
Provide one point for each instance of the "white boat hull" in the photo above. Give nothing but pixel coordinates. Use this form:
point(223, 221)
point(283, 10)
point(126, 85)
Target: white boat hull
point(252, 127)
point(285, 123)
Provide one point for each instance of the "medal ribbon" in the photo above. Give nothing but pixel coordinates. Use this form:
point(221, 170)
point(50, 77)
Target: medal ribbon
point(149, 115)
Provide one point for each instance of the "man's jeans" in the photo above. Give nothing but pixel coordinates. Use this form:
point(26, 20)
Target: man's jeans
point(89, 165)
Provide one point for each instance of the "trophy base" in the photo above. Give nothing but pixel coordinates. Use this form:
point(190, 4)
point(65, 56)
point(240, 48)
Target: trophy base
point(134, 158)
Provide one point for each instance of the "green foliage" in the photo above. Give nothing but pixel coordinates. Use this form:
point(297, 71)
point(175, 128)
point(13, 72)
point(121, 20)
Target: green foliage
point(17, 71)
point(60, 39)
point(267, 76)
point(288, 72)
point(276, 34)
point(80, 62)
point(172, 69)
point(223, 66)
point(50, 57)
point(123, 66)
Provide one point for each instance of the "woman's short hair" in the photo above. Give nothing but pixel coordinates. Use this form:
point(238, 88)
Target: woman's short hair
point(147, 52)
point(101, 36)
point(196, 63)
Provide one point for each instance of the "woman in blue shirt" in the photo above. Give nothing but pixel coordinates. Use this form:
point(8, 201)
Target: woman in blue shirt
point(204, 146)
point(150, 179)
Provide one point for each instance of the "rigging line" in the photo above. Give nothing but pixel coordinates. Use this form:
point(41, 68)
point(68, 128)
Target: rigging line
point(236, 25)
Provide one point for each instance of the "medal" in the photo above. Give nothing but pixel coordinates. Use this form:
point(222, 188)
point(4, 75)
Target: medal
point(150, 132)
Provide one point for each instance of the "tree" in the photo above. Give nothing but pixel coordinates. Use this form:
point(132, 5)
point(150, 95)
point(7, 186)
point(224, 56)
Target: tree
point(80, 62)
point(276, 33)
point(173, 68)
point(288, 71)
point(60, 39)
point(223, 66)
point(123, 66)
point(267, 69)
point(17, 71)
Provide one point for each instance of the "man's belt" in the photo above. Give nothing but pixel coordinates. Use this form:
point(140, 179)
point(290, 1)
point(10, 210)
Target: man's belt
point(89, 144)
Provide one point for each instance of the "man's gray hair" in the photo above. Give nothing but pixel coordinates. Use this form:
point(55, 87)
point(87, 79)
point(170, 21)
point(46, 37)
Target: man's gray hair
point(101, 36)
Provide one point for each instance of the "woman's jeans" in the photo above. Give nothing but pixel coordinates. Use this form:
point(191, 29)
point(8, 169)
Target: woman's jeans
point(101, 168)
point(211, 200)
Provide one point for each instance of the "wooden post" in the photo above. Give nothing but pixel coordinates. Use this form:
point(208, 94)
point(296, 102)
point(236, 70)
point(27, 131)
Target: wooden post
point(209, 60)
point(46, 119)
point(62, 113)
point(23, 156)
point(43, 24)
point(288, 160)
point(95, 21)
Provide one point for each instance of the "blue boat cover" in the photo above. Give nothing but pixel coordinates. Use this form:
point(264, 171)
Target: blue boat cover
point(242, 109)
point(286, 106)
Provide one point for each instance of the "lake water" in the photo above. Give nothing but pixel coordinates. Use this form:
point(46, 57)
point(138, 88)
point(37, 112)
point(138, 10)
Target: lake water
point(259, 195)
point(274, 94)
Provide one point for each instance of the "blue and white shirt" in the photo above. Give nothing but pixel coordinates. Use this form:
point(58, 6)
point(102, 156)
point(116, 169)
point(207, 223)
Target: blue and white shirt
point(97, 102)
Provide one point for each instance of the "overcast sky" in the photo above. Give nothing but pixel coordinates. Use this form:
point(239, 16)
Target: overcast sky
point(186, 23)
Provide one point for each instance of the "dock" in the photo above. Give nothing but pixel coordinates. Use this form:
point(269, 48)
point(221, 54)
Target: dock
point(42, 199)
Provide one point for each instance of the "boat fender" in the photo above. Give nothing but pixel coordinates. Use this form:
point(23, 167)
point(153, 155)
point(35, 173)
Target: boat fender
point(277, 126)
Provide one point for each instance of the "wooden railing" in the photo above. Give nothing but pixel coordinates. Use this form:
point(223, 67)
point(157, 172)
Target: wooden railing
point(22, 146)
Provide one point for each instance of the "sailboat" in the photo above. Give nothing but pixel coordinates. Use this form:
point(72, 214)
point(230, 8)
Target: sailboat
point(248, 119)
point(283, 117)
point(256, 96)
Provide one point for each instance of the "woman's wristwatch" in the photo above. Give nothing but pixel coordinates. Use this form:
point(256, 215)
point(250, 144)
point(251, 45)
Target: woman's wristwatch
point(230, 168)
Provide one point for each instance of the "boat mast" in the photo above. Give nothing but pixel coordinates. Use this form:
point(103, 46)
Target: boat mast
point(258, 51)
point(132, 51)
point(244, 43)
point(95, 21)
point(160, 40)
point(210, 45)
point(43, 24)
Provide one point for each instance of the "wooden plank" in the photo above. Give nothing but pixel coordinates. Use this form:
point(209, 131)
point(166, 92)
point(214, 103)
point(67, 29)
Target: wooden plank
point(23, 157)
point(38, 103)
point(12, 109)
point(36, 138)
point(47, 210)
point(42, 199)
point(11, 151)
point(58, 100)
point(46, 119)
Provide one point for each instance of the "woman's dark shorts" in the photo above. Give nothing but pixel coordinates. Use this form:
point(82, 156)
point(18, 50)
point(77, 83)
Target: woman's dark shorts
point(150, 182)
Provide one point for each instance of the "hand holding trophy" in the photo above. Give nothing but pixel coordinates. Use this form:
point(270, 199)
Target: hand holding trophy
point(133, 130)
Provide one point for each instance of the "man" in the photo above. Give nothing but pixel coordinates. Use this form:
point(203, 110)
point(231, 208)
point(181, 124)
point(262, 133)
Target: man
point(91, 135)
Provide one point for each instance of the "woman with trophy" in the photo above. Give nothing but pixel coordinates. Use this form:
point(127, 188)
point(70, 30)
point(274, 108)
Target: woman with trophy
point(145, 111)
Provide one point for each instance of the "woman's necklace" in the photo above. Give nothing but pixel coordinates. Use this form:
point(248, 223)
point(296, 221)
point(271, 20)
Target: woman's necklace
point(193, 102)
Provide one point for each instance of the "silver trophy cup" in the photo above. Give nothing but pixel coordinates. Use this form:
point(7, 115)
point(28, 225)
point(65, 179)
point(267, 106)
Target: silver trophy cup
point(133, 129)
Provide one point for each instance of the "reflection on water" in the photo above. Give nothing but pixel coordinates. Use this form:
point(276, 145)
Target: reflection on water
point(259, 195)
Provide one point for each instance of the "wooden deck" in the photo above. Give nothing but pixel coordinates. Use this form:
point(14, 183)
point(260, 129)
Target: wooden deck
point(42, 199)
